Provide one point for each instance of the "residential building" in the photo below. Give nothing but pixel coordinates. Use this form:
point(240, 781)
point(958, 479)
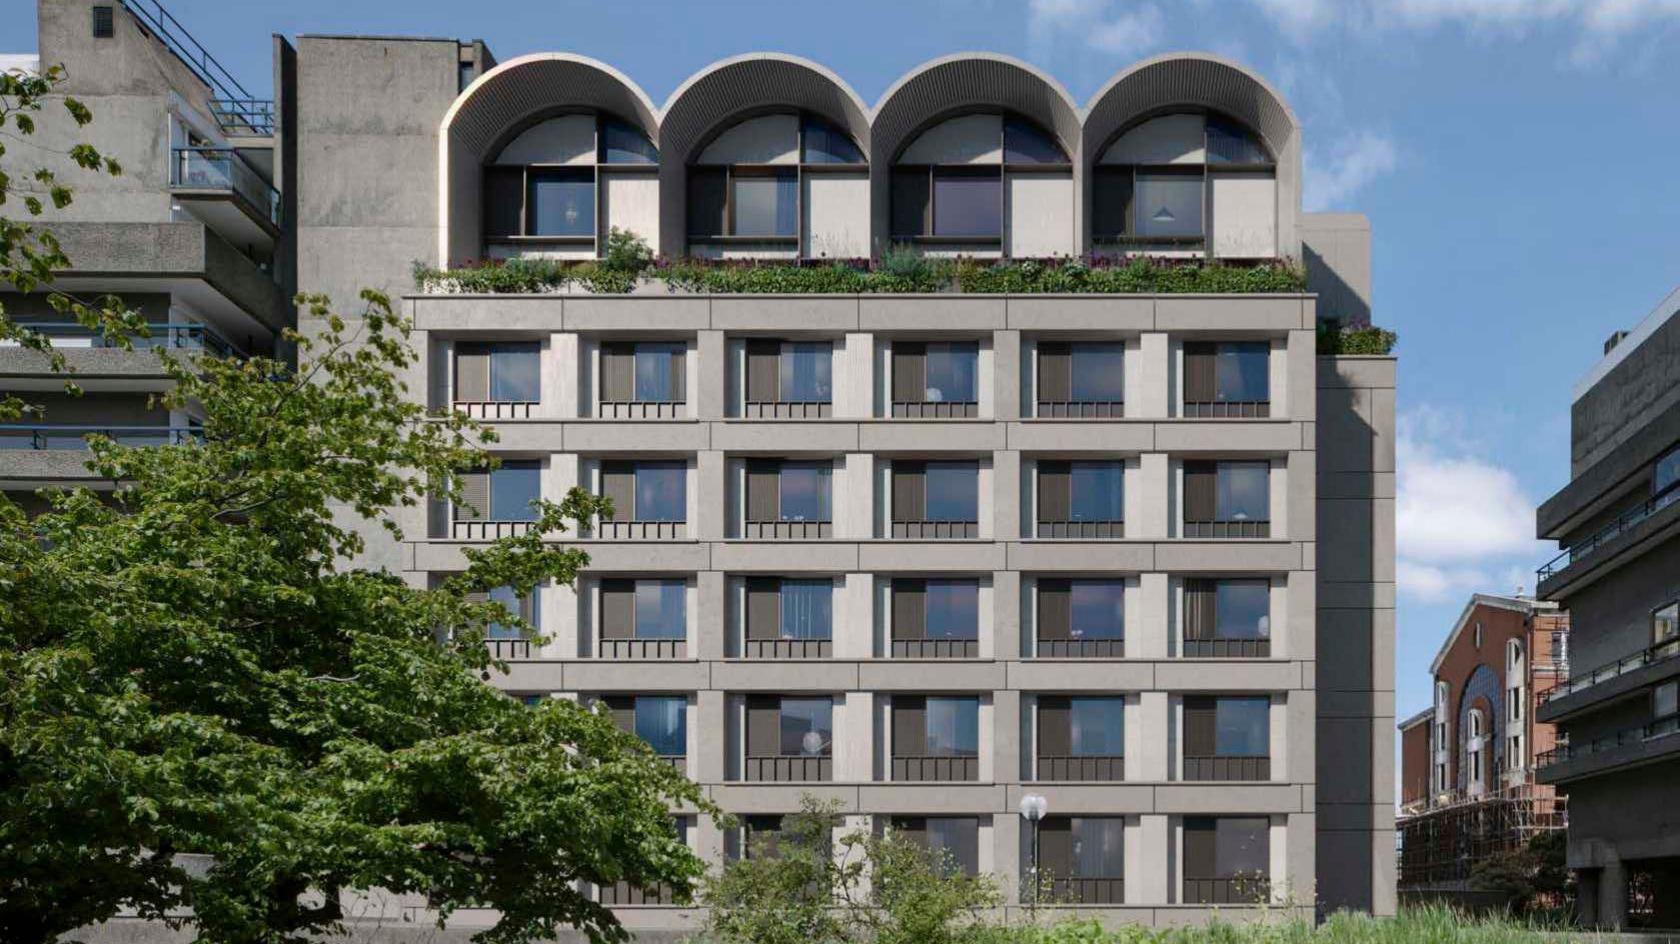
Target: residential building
point(918, 554)
point(1617, 521)
point(1467, 788)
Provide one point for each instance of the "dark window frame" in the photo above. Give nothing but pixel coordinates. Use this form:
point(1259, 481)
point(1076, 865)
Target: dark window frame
point(799, 168)
point(595, 170)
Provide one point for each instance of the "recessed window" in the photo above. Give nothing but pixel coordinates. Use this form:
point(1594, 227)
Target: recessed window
point(1667, 473)
point(953, 727)
point(807, 609)
point(542, 184)
point(967, 202)
point(949, 182)
point(1665, 700)
point(952, 491)
point(622, 144)
point(1098, 726)
point(103, 25)
point(1168, 203)
point(823, 143)
point(953, 609)
point(1665, 624)
point(662, 721)
point(807, 726)
point(560, 203)
point(526, 608)
point(746, 184)
point(498, 371)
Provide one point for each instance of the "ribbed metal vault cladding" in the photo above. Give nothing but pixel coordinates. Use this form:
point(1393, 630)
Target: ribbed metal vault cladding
point(967, 82)
point(1187, 80)
point(705, 105)
point(504, 100)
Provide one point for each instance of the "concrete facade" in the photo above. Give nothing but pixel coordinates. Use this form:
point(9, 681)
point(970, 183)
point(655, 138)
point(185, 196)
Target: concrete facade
point(1619, 745)
point(383, 148)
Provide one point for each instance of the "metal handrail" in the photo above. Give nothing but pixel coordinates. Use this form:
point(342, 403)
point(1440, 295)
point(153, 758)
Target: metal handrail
point(1660, 727)
point(1650, 655)
point(212, 168)
point(1615, 529)
point(238, 100)
point(174, 334)
point(43, 436)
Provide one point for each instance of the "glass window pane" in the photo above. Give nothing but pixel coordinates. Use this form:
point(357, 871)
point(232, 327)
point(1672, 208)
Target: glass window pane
point(1098, 726)
point(1098, 372)
point(661, 609)
point(826, 144)
point(1242, 727)
point(807, 726)
point(653, 372)
point(1665, 700)
point(510, 601)
point(805, 372)
point(1228, 143)
point(1665, 623)
point(707, 200)
point(951, 367)
point(504, 197)
point(953, 609)
point(807, 609)
point(562, 203)
point(1241, 371)
point(1243, 492)
point(955, 841)
point(910, 198)
point(1169, 204)
point(622, 144)
point(1095, 488)
point(515, 371)
point(513, 486)
point(1242, 609)
point(661, 721)
point(1098, 609)
point(1099, 847)
point(953, 727)
point(966, 203)
point(1025, 144)
point(1240, 847)
point(661, 491)
point(1111, 202)
point(1667, 473)
point(767, 206)
point(805, 491)
point(953, 491)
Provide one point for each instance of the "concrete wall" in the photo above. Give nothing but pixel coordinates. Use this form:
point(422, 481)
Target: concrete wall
point(1336, 250)
point(1355, 670)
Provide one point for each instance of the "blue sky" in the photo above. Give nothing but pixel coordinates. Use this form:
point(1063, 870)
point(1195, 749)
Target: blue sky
point(1517, 158)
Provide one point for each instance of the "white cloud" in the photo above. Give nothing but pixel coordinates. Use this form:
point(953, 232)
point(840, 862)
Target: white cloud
point(1353, 162)
point(1464, 524)
point(1131, 33)
point(1131, 30)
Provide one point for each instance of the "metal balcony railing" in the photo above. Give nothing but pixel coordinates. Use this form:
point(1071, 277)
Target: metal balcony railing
point(644, 648)
point(235, 108)
point(787, 530)
point(789, 768)
point(1081, 530)
point(1081, 648)
point(1081, 891)
point(1228, 529)
point(477, 529)
point(204, 168)
point(936, 409)
point(936, 648)
point(640, 409)
point(1217, 767)
point(1081, 767)
point(787, 410)
point(1661, 727)
point(935, 530)
point(935, 767)
point(1227, 648)
point(184, 336)
point(244, 116)
point(506, 649)
point(1080, 409)
point(499, 409)
point(1650, 655)
point(1229, 409)
point(642, 530)
point(1586, 547)
point(42, 436)
point(1225, 891)
point(624, 893)
point(788, 648)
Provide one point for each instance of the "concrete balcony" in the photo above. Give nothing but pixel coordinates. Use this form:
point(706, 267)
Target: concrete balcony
point(1621, 540)
point(221, 189)
point(1659, 740)
point(1612, 682)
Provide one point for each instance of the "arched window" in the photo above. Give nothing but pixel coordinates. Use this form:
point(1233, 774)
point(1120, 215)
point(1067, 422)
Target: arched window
point(548, 188)
point(1478, 634)
point(1476, 752)
point(983, 182)
point(779, 184)
point(1190, 183)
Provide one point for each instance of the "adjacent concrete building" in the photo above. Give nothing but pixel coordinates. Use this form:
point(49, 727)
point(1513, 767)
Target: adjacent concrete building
point(1467, 790)
point(1618, 522)
point(919, 554)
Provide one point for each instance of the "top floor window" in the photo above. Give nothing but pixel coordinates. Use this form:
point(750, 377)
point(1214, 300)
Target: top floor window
point(1081, 378)
point(760, 179)
point(948, 185)
point(1193, 183)
point(1227, 379)
point(540, 189)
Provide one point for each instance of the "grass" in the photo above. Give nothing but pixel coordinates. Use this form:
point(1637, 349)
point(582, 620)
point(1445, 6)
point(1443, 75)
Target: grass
point(1423, 925)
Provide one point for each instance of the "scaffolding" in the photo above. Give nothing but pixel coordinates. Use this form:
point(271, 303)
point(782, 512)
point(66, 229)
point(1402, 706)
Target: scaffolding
point(1442, 843)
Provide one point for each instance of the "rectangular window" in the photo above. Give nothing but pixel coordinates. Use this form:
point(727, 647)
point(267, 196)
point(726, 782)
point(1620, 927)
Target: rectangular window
point(1242, 609)
point(561, 203)
point(1112, 213)
point(912, 200)
point(504, 201)
point(1242, 372)
point(953, 609)
point(807, 727)
point(515, 371)
point(662, 721)
point(805, 371)
point(513, 487)
point(1098, 370)
point(1099, 847)
point(659, 376)
point(1665, 700)
point(807, 609)
point(1244, 492)
point(103, 25)
point(767, 205)
point(952, 491)
point(967, 202)
point(661, 491)
point(1665, 624)
point(951, 368)
point(708, 201)
point(1168, 204)
point(1098, 726)
point(1226, 847)
point(1097, 609)
point(1667, 473)
point(661, 609)
point(1095, 491)
point(953, 727)
point(952, 841)
point(804, 488)
point(1241, 725)
point(525, 608)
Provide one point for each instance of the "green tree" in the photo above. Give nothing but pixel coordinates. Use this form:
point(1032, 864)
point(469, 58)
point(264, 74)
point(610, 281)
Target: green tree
point(801, 886)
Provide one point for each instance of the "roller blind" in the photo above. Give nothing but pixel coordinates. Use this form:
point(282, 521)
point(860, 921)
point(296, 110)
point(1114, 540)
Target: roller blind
point(764, 725)
point(1200, 725)
point(1201, 490)
point(909, 725)
point(1055, 491)
point(1200, 372)
point(909, 371)
point(1200, 613)
point(764, 608)
point(475, 496)
point(763, 370)
point(1055, 371)
point(618, 482)
point(618, 609)
point(472, 371)
point(909, 494)
point(1055, 608)
point(1055, 735)
point(618, 372)
point(763, 488)
point(909, 609)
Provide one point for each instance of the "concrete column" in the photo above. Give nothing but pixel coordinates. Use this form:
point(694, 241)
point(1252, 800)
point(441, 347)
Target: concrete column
point(1006, 375)
point(1007, 830)
point(1156, 494)
point(1147, 636)
point(711, 590)
point(1155, 377)
point(1612, 895)
point(1300, 863)
point(706, 516)
point(1006, 737)
point(559, 621)
point(1277, 869)
point(1154, 743)
point(709, 374)
point(440, 369)
point(1586, 896)
point(1279, 719)
point(1300, 512)
point(1155, 846)
point(707, 842)
point(854, 617)
point(854, 377)
point(853, 738)
point(1006, 614)
point(712, 721)
point(560, 376)
point(857, 506)
point(1006, 495)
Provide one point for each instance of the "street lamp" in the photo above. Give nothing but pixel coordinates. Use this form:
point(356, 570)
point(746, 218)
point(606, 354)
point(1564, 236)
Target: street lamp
point(1033, 807)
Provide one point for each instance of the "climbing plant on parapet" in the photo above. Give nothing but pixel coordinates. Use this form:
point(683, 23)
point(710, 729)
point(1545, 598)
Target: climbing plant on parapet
point(189, 665)
point(29, 253)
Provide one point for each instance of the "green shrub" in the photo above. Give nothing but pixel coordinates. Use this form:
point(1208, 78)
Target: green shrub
point(1335, 338)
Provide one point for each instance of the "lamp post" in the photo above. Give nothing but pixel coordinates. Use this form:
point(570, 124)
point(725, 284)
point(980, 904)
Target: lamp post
point(1033, 807)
